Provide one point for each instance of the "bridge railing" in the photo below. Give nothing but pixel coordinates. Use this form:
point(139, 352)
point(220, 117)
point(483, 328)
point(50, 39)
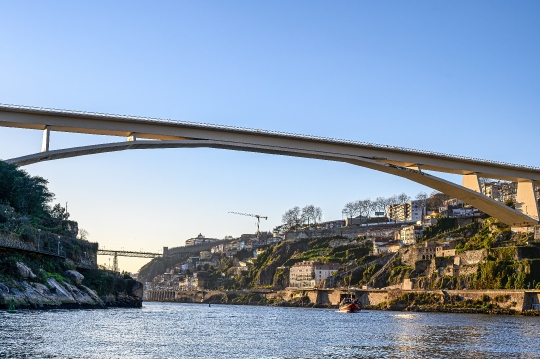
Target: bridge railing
point(7, 242)
point(29, 247)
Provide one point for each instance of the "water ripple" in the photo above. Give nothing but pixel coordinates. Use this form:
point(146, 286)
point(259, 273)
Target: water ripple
point(168, 330)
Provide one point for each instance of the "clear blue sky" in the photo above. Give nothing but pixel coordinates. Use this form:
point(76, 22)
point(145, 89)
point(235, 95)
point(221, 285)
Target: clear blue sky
point(460, 77)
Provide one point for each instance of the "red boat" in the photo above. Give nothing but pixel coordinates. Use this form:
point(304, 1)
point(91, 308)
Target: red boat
point(348, 305)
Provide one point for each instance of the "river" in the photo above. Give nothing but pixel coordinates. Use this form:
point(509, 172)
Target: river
point(171, 330)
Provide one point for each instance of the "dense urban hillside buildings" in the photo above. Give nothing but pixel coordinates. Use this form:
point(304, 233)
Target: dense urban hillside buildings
point(403, 226)
point(503, 191)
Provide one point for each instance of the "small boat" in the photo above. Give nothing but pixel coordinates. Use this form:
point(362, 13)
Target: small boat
point(350, 307)
point(11, 308)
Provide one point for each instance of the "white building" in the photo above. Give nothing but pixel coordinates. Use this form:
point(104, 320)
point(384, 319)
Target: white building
point(308, 274)
point(463, 212)
point(200, 239)
point(409, 234)
point(411, 211)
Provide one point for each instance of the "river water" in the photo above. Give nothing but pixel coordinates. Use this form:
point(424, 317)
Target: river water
point(171, 330)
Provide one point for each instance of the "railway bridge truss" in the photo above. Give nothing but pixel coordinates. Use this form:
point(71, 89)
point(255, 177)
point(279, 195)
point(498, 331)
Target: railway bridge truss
point(115, 254)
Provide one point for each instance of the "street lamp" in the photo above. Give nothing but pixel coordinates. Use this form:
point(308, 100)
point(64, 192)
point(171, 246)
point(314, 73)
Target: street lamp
point(38, 238)
point(58, 245)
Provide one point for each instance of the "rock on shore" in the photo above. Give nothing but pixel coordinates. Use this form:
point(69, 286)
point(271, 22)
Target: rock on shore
point(56, 294)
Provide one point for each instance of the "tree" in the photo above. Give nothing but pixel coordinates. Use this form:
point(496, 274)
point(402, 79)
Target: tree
point(372, 207)
point(307, 213)
point(83, 234)
point(311, 214)
point(380, 204)
point(351, 209)
point(422, 198)
point(317, 215)
point(292, 218)
point(26, 194)
point(436, 200)
point(403, 198)
point(364, 207)
point(59, 212)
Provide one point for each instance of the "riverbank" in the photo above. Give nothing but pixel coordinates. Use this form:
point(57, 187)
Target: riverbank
point(501, 302)
point(34, 281)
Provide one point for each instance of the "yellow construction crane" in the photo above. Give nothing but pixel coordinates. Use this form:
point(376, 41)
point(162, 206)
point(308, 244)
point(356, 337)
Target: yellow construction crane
point(253, 215)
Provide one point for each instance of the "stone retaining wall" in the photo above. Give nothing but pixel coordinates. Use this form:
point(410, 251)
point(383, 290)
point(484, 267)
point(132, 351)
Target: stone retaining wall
point(518, 300)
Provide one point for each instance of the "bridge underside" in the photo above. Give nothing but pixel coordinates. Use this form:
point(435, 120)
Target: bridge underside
point(469, 192)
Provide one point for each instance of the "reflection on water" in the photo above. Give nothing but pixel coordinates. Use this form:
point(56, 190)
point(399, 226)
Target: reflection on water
point(167, 330)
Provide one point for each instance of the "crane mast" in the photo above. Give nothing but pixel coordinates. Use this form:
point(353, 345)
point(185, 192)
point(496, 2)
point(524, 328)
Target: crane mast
point(256, 216)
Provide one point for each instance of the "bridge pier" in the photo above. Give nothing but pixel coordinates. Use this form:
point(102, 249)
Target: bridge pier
point(526, 201)
point(46, 138)
point(471, 182)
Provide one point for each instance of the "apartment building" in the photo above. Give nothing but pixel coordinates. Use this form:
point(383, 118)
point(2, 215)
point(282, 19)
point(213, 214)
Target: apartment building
point(411, 211)
point(307, 274)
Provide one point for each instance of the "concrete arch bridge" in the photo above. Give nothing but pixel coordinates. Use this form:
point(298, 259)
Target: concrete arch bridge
point(151, 133)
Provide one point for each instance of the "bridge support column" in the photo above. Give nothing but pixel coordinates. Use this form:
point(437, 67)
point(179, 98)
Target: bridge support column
point(526, 201)
point(46, 137)
point(471, 182)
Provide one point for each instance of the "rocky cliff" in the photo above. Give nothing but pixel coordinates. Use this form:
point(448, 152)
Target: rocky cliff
point(37, 282)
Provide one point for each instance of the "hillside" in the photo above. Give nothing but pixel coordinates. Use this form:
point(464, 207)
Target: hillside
point(45, 260)
point(486, 255)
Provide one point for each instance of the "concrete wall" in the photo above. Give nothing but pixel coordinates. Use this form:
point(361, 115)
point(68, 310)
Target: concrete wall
point(518, 300)
point(372, 297)
point(512, 299)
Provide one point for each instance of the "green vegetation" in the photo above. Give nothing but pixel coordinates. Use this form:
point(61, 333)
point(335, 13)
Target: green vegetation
point(324, 254)
point(507, 274)
point(443, 225)
point(26, 194)
point(398, 273)
point(491, 231)
point(42, 267)
point(265, 268)
point(107, 282)
point(27, 217)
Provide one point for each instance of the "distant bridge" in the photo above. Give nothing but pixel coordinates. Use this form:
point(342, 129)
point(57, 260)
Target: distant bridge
point(115, 254)
point(403, 162)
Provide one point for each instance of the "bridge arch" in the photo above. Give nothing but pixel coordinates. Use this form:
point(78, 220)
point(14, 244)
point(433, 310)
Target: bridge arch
point(488, 205)
point(403, 162)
